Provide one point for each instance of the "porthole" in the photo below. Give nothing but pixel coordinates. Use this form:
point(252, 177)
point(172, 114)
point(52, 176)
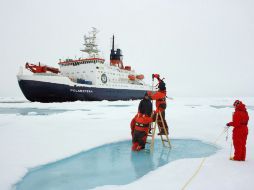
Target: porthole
point(104, 78)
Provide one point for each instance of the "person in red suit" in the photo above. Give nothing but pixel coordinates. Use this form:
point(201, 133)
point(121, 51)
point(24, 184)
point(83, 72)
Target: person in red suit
point(160, 97)
point(140, 124)
point(240, 131)
point(145, 106)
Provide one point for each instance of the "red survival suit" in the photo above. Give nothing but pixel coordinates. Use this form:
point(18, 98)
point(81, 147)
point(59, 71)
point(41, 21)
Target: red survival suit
point(160, 97)
point(140, 128)
point(240, 131)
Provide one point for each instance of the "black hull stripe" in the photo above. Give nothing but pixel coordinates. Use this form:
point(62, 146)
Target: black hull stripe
point(51, 92)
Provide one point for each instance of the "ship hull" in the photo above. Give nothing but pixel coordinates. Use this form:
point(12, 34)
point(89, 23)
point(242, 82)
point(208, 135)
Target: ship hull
point(40, 91)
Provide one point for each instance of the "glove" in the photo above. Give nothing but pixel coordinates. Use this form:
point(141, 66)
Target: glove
point(157, 76)
point(228, 124)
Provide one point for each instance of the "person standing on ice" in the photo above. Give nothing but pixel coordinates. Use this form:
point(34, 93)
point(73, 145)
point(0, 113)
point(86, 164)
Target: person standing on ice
point(140, 124)
point(160, 97)
point(240, 131)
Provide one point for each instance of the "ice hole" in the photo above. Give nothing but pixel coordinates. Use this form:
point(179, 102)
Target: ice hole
point(110, 164)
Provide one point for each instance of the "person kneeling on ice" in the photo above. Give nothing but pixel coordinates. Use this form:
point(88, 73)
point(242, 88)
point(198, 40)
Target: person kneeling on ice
point(240, 131)
point(160, 97)
point(140, 124)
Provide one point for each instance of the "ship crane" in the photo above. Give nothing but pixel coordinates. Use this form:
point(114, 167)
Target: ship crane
point(41, 68)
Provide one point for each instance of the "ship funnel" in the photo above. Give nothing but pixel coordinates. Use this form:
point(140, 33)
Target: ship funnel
point(116, 55)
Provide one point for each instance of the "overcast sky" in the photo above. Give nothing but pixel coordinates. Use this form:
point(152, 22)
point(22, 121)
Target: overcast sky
point(201, 47)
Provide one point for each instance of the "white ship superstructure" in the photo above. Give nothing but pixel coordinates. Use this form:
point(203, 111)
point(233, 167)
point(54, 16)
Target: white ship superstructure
point(103, 81)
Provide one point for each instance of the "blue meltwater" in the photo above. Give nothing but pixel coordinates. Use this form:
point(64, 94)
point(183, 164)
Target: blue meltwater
point(110, 164)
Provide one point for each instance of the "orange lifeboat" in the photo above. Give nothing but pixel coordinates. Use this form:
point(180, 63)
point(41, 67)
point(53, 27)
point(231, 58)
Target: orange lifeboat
point(140, 77)
point(128, 68)
point(132, 77)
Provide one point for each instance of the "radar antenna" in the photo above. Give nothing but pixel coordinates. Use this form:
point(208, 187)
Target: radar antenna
point(90, 44)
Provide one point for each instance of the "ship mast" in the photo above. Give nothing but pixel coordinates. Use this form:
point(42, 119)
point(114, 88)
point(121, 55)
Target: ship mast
point(90, 44)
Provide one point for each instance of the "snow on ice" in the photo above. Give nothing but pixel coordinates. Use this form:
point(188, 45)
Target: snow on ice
point(33, 134)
